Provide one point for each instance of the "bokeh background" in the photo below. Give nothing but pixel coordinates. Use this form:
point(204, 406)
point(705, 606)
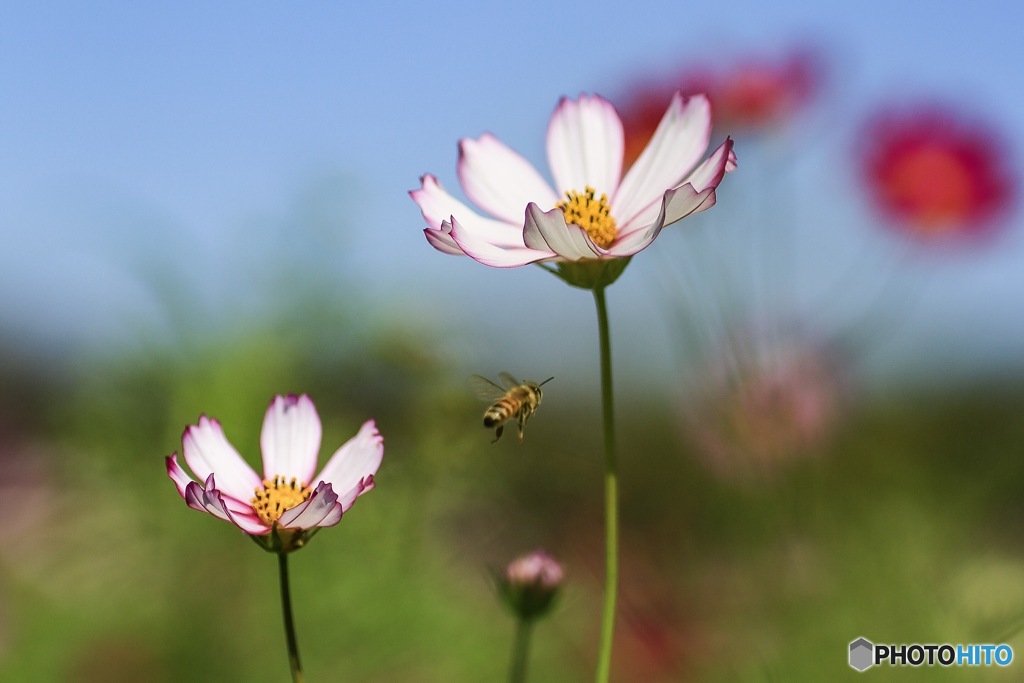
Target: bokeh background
point(819, 393)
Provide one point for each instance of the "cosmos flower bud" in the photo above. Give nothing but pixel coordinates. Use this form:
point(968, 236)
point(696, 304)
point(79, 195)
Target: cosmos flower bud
point(530, 583)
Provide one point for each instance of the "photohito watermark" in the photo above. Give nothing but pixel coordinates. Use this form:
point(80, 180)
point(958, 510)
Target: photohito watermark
point(864, 654)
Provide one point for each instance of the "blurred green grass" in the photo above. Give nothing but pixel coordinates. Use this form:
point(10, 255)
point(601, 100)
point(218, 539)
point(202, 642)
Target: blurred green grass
point(907, 528)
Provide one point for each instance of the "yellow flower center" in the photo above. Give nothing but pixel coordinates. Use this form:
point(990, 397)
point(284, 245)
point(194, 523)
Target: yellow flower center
point(591, 213)
point(278, 495)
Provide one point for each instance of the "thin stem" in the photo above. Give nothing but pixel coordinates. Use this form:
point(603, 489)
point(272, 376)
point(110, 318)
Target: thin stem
point(520, 651)
point(611, 496)
point(289, 624)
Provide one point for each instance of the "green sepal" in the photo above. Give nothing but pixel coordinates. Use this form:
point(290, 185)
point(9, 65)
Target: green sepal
point(589, 274)
point(283, 541)
point(527, 602)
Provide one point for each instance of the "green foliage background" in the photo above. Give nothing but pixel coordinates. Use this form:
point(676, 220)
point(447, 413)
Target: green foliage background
point(907, 528)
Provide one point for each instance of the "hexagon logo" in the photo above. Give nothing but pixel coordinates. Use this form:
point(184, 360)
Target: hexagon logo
point(862, 653)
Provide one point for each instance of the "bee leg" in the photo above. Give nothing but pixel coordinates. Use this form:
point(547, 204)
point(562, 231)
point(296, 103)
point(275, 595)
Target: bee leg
point(522, 424)
point(497, 433)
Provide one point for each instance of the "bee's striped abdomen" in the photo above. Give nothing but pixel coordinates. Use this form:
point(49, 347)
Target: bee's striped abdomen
point(501, 411)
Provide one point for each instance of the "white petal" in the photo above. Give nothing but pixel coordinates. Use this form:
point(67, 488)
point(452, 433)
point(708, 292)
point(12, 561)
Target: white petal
point(321, 506)
point(356, 460)
point(684, 201)
point(290, 439)
point(207, 451)
point(205, 500)
point(639, 222)
point(441, 239)
point(177, 475)
point(677, 144)
point(249, 523)
point(491, 254)
point(333, 516)
point(548, 231)
point(210, 499)
point(438, 206)
point(708, 175)
point(677, 203)
point(349, 497)
point(585, 144)
point(714, 168)
point(635, 242)
point(499, 180)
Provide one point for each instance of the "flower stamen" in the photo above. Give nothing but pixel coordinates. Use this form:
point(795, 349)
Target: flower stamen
point(591, 213)
point(277, 496)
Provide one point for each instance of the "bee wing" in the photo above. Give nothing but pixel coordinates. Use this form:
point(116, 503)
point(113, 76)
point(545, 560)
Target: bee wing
point(507, 380)
point(485, 389)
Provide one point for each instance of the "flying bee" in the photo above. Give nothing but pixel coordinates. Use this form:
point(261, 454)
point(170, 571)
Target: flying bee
point(511, 398)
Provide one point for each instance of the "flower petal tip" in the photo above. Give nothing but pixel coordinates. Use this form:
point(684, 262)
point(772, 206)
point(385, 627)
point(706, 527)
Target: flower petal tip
point(731, 162)
point(290, 400)
point(374, 432)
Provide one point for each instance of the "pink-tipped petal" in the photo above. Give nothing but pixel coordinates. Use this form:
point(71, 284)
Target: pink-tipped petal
point(349, 497)
point(198, 498)
point(714, 168)
point(499, 180)
point(635, 242)
point(677, 203)
point(290, 439)
point(438, 206)
point(441, 239)
point(177, 474)
point(493, 255)
point(684, 201)
point(333, 516)
point(238, 507)
point(732, 162)
point(678, 143)
point(547, 230)
point(356, 460)
point(207, 451)
point(250, 522)
point(706, 176)
point(585, 143)
point(210, 500)
point(321, 506)
point(697, 193)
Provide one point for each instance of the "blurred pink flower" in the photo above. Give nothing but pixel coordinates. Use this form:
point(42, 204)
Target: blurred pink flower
point(935, 172)
point(777, 405)
point(592, 213)
point(288, 499)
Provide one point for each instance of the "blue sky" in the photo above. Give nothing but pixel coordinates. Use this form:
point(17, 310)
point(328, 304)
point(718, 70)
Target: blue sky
point(189, 138)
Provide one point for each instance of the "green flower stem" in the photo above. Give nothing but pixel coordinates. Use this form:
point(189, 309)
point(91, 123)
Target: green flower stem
point(520, 651)
point(289, 624)
point(611, 495)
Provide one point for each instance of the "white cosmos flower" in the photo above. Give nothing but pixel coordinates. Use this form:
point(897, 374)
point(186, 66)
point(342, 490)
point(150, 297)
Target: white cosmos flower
point(288, 498)
point(592, 213)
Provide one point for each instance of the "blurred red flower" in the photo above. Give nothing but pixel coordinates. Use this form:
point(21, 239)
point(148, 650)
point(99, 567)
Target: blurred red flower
point(754, 94)
point(935, 172)
point(759, 93)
